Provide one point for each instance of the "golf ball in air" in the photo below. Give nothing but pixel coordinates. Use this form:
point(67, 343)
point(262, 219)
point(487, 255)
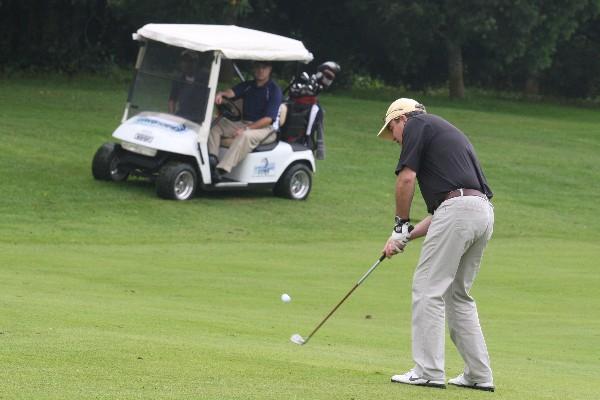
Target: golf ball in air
point(286, 298)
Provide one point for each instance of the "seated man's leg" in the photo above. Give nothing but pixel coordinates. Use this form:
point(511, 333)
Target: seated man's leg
point(242, 145)
point(223, 129)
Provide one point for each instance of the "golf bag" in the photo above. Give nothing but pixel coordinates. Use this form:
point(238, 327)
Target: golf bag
point(301, 123)
point(305, 116)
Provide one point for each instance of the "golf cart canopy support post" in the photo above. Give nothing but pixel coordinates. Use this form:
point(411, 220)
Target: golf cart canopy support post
point(238, 72)
point(213, 81)
point(138, 65)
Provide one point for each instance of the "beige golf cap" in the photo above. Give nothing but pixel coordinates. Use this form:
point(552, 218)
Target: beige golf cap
point(396, 109)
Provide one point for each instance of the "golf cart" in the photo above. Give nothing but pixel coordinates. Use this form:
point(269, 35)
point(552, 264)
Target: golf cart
point(170, 147)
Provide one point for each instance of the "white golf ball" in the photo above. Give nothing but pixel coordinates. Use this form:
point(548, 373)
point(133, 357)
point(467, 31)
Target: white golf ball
point(286, 298)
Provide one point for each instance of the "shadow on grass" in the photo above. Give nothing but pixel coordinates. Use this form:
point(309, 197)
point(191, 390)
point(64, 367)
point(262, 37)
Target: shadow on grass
point(230, 194)
point(145, 188)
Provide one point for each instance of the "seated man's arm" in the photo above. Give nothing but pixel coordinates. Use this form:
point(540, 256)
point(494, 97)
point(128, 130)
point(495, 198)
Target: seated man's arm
point(229, 93)
point(261, 123)
point(173, 96)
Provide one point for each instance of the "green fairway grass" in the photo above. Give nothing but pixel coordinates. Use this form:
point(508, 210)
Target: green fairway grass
point(108, 292)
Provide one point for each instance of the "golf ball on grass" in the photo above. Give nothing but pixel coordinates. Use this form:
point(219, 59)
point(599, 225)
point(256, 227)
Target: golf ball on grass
point(286, 298)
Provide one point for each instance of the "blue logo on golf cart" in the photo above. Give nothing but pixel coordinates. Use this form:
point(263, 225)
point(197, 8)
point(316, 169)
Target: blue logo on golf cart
point(264, 168)
point(160, 124)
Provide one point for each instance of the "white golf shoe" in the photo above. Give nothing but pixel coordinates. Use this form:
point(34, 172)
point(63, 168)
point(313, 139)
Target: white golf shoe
point(410, 378)
point(464, 382)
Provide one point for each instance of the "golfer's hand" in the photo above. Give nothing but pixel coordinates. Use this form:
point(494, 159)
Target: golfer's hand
point(393, 247)
point(219, 98)
point(399, 238)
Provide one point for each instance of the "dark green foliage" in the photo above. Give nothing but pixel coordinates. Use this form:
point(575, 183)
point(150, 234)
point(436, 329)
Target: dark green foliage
point(549, 46)
point(576, 66)
point(56, 34)
point(87, 35)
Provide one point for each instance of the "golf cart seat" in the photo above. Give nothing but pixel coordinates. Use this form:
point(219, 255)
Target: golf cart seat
point(281, 117)
point(271, 146)
point(265, 147)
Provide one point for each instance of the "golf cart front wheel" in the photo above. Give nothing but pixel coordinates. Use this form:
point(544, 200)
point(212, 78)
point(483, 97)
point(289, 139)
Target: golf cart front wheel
point(105, 165)
point(176, 181)
point(295, 183)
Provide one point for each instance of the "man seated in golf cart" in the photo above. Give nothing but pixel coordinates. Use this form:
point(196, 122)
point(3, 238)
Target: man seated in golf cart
point(188, 90)
point(262, 98)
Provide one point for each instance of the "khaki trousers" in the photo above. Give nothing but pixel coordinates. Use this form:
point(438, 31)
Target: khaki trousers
point(449, 262)
point(239, 147)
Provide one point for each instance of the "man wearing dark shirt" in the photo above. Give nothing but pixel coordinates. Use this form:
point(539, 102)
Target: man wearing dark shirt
point(188, 92)
point(442, 160)
point(262, 98)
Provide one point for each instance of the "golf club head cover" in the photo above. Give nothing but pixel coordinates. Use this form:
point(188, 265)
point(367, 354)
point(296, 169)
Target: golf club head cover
point(330, 65)
point(326, 73)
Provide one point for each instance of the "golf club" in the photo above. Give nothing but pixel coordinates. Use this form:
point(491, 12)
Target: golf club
point(298, 339)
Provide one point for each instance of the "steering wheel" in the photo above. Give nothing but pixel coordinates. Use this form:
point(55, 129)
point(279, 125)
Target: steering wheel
point(229, 110)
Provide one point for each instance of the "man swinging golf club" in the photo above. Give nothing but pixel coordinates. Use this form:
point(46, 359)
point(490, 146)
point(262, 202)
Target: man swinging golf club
point(455, 190)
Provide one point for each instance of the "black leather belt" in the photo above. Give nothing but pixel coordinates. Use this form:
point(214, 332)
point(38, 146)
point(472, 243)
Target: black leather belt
point(465, 192)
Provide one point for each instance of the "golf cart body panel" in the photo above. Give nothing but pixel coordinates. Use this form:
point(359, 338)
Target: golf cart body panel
point(171, 145)
point(149, 132)
point(268, 166)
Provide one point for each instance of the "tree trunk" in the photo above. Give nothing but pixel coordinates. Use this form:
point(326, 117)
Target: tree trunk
point(532, 86)
point(229, 18)
point(456, 85)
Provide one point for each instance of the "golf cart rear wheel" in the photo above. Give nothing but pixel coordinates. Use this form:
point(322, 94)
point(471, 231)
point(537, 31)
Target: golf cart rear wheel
point(176, 181)
point(105, 165)
point(295, 183)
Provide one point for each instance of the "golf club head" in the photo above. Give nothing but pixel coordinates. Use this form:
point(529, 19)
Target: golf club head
point(297, 339)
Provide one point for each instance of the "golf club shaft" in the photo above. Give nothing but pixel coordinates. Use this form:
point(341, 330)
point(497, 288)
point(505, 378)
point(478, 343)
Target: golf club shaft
point(346, 296)
point(371, 269)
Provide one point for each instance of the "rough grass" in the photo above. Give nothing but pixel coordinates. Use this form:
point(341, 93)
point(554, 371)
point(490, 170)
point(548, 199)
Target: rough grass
point(109, 292)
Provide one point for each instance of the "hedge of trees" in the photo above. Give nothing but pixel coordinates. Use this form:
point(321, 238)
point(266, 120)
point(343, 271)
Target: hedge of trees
point(548, 47)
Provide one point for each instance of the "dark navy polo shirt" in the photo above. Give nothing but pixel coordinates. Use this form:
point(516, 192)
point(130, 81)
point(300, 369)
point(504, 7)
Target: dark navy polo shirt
point(259, 102)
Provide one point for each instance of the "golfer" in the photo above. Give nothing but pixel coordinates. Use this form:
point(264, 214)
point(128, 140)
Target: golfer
point(442, 160)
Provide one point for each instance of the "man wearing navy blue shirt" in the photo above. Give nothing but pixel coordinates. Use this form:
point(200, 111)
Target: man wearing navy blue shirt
point(262, 98)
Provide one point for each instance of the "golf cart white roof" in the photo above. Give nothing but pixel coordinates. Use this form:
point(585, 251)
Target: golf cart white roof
point(234, 42)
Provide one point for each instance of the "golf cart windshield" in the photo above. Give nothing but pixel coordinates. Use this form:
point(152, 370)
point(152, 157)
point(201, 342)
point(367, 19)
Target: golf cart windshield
point(171, 80)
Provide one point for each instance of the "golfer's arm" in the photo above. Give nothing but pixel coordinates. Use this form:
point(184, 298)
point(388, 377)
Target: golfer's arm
point(405, 189)
point(261, 123)
point(171, 106)
point(421, 228)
